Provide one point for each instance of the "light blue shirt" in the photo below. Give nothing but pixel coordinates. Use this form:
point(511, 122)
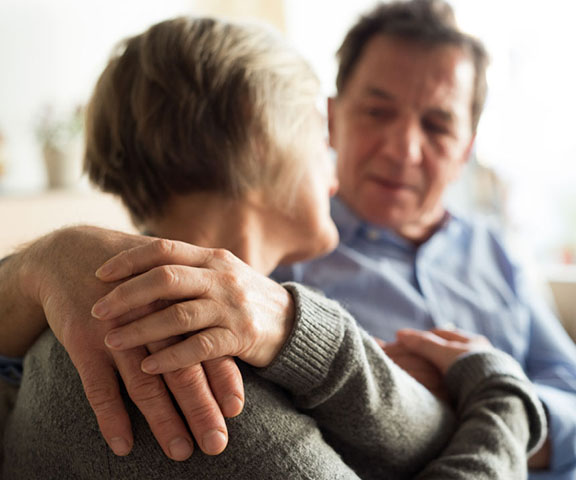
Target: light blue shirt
point(461, 277)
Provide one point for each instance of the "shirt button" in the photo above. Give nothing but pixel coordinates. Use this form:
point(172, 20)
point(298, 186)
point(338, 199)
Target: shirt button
point(448, 326)
point(373, 235)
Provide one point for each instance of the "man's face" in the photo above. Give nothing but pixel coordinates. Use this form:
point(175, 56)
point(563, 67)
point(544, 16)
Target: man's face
point(402, 131)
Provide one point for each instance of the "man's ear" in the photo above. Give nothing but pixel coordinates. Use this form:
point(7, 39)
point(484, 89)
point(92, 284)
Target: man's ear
point(464, 160)
point(468, 151)
point(331, 119)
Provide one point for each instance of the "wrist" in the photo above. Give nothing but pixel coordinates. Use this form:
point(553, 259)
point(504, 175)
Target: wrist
point(277, 327)
point(284, 324)
point(20, 312)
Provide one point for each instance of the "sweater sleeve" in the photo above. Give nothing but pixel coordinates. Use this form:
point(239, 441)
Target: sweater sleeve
point(500, 420)
point(380, 420)
point(383, 422)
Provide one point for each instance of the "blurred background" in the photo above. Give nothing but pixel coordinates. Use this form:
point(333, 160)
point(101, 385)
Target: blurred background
point(523, 175)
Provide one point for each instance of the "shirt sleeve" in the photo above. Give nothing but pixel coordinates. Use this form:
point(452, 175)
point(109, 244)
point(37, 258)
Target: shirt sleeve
point(11, 370)
point(551, 366)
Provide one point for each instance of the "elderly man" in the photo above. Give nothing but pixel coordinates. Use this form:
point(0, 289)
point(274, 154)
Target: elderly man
point(410, 91)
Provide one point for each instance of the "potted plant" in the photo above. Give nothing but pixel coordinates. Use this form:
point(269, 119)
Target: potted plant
point(60, 137)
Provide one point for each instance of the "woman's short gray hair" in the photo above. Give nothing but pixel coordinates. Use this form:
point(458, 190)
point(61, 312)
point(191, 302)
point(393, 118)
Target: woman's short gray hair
point(197, 104)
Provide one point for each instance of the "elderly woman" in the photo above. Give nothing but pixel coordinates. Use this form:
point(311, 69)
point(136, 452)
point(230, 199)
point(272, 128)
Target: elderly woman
point(209, 133)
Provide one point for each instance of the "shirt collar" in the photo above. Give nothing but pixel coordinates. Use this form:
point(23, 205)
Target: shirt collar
point(350, 227)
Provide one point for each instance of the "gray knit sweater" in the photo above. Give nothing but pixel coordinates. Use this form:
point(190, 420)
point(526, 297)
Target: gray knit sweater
point(331, 406)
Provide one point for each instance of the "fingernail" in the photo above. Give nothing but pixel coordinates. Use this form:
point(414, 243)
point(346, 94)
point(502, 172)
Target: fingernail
point(232, 406)
point(120, 446)
point(113, 339)
point(100, 308)
point(150, 365)
point(180, 448)
point(105, 271)
point(213, 442)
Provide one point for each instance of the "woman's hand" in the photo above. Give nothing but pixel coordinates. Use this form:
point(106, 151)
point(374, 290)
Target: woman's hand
point(222, 305)
point(441, 347)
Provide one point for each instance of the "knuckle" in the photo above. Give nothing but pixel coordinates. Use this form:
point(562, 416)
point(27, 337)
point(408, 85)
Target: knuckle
point(175, 357)
point(122, 295)
point(163, 247)
point(187, 378)
point(125, 261)
point(235, 286)
point(181, 317)
point(223, 255)
point(101, 396)
point(223, 371)
point(205, 344)
point(146, 390)
point(167, 275)
point(204, 413)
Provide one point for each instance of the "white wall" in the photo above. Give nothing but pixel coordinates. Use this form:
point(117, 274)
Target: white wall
point(51, 52)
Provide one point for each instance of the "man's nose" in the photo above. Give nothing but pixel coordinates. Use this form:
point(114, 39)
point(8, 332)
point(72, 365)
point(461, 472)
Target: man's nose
point(403, 143)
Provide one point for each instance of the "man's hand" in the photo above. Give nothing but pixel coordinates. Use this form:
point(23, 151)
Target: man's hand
point(418, 367)
point(442, 347)
point(224, 307)
point(57, 275)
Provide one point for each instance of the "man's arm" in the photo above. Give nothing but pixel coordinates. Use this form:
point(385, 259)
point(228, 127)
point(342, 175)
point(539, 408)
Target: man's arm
point(17, 301)
point(53, 280)
point(551, 366)
point(550, 363)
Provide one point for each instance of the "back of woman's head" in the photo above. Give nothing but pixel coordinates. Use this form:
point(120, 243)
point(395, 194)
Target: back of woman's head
point(196, 105)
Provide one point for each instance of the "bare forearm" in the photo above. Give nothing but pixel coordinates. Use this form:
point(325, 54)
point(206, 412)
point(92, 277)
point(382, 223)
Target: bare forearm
point(62, 262)
point(21, 317)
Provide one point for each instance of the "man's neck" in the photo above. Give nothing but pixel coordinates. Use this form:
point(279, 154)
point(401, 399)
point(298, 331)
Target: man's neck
point(420, 232)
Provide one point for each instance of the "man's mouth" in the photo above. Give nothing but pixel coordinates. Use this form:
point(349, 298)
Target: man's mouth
point(393, 185)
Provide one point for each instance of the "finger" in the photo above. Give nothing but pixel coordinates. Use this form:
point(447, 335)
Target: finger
point(205, 345)
point(415, 363)
point(180, 318)
point(171, 282)
point(394, 349)
point(149, 394)
point(426, 344)
point(194, 395)
point(473, 340)
point(226, 383)
point(103, 393)
point(452, 335)
point(156, 253)
point(381, 343)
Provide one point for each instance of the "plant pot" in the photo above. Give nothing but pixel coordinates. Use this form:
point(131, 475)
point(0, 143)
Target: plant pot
point(63, 164)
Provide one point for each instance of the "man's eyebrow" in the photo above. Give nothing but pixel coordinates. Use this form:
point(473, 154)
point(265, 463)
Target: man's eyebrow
point(443, 115)
point(379, 93)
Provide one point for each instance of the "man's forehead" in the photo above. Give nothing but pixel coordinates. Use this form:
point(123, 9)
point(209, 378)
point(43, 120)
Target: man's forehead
point(397, 70)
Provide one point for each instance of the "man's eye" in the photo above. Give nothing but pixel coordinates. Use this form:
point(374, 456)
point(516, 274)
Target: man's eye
point(378, 113)
point(436, 127)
